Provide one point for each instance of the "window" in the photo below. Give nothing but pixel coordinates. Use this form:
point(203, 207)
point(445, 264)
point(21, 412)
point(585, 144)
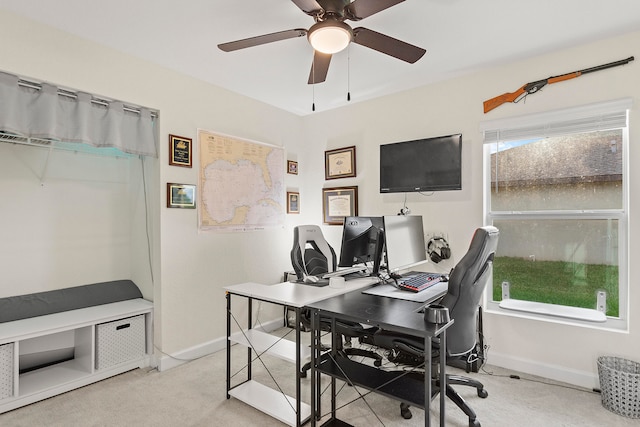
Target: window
point(555, 187)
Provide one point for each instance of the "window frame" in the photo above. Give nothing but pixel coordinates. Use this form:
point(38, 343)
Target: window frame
point(555, 123)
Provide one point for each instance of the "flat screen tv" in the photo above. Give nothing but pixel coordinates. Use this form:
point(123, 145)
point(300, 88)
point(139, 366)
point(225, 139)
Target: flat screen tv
point(422, 165)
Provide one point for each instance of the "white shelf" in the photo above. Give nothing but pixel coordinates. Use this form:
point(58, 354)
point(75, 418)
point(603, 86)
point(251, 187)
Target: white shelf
point(553, 310)
point(72, 319)
point(274, 346)
point(271, 402)
point(47, 334)
point(51, 376)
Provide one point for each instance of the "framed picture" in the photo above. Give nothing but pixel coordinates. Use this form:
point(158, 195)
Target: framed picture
point(338, 203)
point(293, 202)
point(180, 151)
point(340, 163)
point(181, 196)
point(292, 167)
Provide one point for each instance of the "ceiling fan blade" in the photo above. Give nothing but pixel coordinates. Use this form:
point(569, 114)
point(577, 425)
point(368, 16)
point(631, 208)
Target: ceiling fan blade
point(387, 45)
point(264, 39)
point(361, 9)
point(310, 7)
point(319, 68)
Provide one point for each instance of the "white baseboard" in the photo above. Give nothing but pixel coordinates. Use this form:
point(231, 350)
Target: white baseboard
point(168, 361)
point(584, 379)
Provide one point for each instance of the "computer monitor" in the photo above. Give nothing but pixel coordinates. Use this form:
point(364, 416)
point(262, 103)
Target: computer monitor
point(362, 242)
point(404, 242)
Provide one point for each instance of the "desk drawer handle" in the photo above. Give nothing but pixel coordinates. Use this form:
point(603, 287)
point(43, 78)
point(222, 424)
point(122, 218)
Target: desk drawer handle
point(126, 325)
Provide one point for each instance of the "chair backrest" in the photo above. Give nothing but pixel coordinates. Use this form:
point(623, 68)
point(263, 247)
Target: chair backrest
point(466, 285)
point(311, 254)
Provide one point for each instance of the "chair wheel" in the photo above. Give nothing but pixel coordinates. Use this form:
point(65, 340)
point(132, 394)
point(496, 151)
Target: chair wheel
point(405, 411)
point(474, 423)
point(303, 374)
point(377, 363)
point(483, 393)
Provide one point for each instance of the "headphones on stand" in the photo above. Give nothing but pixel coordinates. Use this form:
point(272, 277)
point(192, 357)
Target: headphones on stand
point(438, 249)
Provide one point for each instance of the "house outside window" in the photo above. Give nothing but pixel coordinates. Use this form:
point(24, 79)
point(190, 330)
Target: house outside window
point(555, 187)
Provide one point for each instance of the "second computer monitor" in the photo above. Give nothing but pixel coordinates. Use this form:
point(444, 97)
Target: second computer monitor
point(362, 241)
point(404, 242)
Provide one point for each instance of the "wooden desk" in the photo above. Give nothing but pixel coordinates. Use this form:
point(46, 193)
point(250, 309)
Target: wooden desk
point(289, 410)
point(386, 313)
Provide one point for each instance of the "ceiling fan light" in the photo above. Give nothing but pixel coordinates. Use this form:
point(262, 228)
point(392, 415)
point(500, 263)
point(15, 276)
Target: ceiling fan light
point(330, 37)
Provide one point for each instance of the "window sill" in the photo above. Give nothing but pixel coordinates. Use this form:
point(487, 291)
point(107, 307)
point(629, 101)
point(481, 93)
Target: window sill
point(566, 312)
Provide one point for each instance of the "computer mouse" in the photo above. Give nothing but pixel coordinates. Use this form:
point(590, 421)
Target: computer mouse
point(311, 279)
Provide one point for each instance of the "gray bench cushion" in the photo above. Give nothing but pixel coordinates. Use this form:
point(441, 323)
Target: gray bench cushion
point(49, 302)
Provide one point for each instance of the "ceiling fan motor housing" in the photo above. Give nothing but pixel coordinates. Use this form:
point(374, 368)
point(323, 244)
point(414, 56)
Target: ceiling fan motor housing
point(333, 7)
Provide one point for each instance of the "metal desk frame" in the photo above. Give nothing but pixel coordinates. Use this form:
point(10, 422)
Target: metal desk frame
point(287, 294)
point(387, 313)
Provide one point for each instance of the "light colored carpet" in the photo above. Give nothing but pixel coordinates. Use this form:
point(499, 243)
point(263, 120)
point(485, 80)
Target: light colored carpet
point(194, 394)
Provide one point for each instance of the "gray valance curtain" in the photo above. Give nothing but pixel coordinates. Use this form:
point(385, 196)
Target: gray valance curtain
point(47, 112)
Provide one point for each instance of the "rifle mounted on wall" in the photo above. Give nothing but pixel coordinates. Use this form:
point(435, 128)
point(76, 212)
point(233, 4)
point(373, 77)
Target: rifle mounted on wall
point(534, 87)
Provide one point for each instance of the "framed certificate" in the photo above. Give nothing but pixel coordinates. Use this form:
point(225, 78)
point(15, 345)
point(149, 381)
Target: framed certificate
point(338, 203)
point(293, 202)
point(292, 167)
point(181, 196)
point(180, 151)
point(340, 163)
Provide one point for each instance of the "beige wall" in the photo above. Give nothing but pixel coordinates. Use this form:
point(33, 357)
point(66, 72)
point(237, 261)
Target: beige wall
point(558, 350)
point(190, 267)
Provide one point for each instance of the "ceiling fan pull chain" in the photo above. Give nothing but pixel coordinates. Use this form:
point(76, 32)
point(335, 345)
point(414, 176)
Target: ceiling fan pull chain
point(313, 86)
point(349, 73)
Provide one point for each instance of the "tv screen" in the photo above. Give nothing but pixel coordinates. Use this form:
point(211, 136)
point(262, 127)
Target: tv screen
point(422, 165)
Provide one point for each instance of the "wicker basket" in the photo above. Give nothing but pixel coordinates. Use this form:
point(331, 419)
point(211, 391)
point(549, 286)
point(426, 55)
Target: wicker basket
point(620, 385)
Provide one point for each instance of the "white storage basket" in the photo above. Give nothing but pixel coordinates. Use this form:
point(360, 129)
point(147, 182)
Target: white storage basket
point(620, 385)
point(120, 341)
point(6, 370)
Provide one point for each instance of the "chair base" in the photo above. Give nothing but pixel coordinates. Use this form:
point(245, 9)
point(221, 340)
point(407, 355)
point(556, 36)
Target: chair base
point(453, 395)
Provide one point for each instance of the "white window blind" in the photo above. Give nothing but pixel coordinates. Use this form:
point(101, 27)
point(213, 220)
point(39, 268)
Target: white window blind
point(587, 118)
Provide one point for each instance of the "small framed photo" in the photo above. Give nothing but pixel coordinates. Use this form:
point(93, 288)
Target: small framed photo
point(338, 203)
point(181, 196)
point(292, 167)
point(340, 163)
point(293, 202)
point(180, 151)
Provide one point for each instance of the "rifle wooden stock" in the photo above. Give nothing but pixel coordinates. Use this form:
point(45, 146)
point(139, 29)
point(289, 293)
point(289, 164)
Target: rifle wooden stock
point(492, 103)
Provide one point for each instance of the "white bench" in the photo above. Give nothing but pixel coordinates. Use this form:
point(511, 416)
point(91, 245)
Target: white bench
point(52, 353)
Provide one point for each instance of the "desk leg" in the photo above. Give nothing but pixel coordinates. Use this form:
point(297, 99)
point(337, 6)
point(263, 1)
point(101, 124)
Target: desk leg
point(228, 295)
point(298, 367)
point(428, 345)
point(315, 375)
point(249, 326)
point(335, 346)
point(443, 376)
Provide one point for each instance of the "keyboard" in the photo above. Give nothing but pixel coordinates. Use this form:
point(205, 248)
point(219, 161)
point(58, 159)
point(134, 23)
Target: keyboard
point(418, 281)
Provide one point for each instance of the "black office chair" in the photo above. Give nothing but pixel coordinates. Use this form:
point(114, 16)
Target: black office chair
point(467, 282)
point(311, 255)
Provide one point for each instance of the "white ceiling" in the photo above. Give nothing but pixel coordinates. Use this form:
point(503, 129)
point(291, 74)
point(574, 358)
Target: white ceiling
point(460, 36)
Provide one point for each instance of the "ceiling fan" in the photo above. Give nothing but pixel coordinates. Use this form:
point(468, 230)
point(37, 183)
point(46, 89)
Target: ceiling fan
point(330, 34)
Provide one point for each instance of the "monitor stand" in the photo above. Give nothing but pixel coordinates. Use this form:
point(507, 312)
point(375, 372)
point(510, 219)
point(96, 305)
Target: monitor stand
point(345, 271)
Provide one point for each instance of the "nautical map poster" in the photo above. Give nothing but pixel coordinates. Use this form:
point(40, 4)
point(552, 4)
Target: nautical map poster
point(241, 184)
